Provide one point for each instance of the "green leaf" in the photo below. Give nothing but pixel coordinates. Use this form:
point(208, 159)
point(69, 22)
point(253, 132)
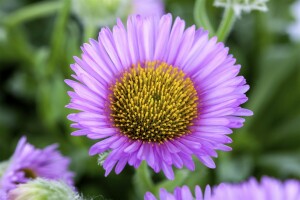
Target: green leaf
point(31, 12)
point(284, 164)
point(275, 67)
point(235, 168)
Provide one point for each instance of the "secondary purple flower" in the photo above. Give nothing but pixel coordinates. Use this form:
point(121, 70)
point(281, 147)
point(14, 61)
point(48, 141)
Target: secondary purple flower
point(183, 193)
point(148, 7)
point(267, 189)
point(28, 163)
point(156, 92)
point(3, 195)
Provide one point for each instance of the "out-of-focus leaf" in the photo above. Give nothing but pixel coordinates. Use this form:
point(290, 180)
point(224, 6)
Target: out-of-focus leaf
point(51, 99)
point(21, 85)
point(18, 46)
point(234, 169)
point(276, 65)
point(284, 164)
point(73, 46)
point(58, 39)
point(245, 142)
point(31, 12)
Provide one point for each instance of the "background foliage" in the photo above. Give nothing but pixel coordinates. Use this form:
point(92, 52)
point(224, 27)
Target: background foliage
point(37, 42)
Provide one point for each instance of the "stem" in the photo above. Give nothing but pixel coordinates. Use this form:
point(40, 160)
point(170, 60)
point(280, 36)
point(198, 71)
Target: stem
point(142, 180)
point(201, 17)
point(226, 24)
point(21, 47)
point(89, 32)
point(59, 38)
point(31, 12)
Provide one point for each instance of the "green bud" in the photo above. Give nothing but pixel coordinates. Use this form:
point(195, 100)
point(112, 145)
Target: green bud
point(242, 5)
point(101, 12)
point(42, 189)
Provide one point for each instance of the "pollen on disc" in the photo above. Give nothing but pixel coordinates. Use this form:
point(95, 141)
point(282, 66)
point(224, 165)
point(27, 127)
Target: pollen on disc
point(153, 103)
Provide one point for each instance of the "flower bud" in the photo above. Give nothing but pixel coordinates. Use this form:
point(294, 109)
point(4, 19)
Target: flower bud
point(43, 189)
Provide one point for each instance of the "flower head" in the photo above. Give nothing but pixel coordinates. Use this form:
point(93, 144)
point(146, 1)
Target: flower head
point(267, 189)
point(28, 163)
point(43, 189)
point(156, 92)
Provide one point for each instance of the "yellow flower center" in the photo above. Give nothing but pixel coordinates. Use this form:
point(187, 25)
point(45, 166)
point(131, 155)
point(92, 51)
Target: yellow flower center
point(154, 103)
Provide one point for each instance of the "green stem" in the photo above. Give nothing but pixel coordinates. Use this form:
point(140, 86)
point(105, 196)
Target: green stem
point(59, 38)
point(142, 180)
point(31, 12)
point(22, 48)
point(226, 24)
point(89, 32)
point(201, 17)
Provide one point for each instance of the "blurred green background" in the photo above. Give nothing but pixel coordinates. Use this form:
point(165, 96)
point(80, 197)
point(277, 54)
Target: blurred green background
point(38, 40)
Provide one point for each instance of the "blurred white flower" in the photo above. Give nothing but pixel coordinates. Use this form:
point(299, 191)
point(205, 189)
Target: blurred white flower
point(242, 5)
point(294, 29)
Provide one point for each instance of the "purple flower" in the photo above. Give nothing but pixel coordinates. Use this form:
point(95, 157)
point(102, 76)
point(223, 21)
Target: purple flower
point(28, 163)
point(267, 189)
point(3, 195)
point(183, 193)
point(156, 92)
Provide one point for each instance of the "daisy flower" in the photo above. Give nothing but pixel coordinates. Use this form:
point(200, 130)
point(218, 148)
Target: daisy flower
point(267, 189)
point(156, 92)
point(183, 193)
point(28, 163)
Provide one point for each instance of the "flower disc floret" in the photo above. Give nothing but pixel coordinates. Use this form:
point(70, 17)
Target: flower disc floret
point(154, 103)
